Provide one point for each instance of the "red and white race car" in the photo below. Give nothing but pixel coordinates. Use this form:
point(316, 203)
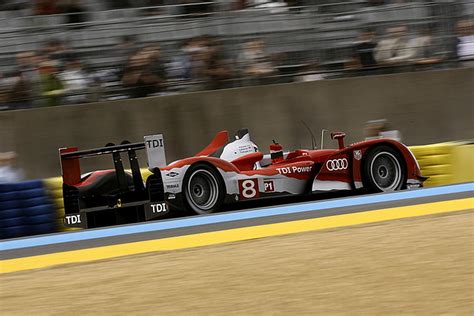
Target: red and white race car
point(227, 172)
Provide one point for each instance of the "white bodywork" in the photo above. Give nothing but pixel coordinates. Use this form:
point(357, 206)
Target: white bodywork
point(238, 148)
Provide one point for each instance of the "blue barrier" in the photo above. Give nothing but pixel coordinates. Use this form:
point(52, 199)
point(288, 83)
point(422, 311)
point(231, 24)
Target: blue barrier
point(25, 209)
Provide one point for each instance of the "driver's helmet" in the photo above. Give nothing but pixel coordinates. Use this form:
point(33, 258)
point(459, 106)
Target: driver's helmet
point(276, 152)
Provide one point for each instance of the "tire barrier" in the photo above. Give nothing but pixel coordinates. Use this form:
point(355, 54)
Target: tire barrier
point(25, 209)
point(55, 191)
point(446, 163)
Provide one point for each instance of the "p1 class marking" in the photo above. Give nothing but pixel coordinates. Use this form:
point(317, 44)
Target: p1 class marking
point(269, 185)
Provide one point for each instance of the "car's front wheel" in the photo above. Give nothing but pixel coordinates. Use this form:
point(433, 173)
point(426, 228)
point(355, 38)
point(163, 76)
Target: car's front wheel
point(384, 170)
point(204, 189)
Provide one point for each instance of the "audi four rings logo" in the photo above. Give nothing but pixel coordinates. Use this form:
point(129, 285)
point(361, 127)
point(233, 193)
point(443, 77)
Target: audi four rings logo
point(337, 164)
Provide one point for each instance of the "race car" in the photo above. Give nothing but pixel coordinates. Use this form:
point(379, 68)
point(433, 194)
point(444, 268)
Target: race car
point(224, 172)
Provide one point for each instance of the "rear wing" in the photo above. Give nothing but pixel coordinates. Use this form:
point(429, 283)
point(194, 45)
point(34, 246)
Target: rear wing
point(154, 145)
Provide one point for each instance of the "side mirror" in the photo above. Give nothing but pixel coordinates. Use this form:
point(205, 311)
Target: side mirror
point(340, 138)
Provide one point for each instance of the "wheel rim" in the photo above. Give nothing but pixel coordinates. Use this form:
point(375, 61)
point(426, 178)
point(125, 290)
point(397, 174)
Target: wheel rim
point(202, 189)
point(386, 171)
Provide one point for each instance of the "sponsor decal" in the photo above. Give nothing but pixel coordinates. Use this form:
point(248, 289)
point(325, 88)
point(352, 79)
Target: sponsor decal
point(294, 169)
point(172, 186)
point(337, 164)
point(153, 210)
point(245, 149)
point(269, 185)
point(357, 155)
point(154, 143)
point(248, 189)
point(72, 219)
point(172, 174)
point(155, 151)
point(158, 207)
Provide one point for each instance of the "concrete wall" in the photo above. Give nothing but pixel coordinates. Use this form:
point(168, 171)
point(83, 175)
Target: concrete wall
point(426, 107)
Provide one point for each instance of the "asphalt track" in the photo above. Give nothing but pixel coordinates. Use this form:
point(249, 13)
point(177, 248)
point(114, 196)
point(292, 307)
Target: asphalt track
point(82, 246)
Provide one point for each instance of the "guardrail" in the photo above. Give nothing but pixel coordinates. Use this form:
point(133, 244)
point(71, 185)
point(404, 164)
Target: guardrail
point(36, 207)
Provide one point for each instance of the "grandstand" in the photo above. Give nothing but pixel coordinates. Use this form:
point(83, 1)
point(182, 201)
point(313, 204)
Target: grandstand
point(299, 36)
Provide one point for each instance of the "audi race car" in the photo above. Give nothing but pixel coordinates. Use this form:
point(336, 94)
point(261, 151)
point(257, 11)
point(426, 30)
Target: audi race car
point(224, 172)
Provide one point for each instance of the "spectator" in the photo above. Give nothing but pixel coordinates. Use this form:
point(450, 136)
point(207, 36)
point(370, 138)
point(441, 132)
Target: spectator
point(217, 67)
point(51, 86)
point(191, 65)
point(426, 50)
point(179, 66)
point(465, 46)
point(8, 172)
point(395, 49)
point(76, 83)
point(156, 65)
point(27, 63)
point(138, 78)
point(58, 51)
point(16, 91)
point(254, 62)
point(365, 50)
point(126, 48)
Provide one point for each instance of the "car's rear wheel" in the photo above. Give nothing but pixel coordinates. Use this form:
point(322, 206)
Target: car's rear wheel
point(384, 170)
point(204, 189)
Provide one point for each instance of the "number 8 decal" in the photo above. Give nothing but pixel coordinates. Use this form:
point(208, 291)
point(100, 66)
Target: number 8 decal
point(248, 189)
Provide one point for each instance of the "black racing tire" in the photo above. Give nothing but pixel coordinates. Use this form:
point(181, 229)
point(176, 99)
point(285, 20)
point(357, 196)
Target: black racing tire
point(384, 170)
point(203, 189)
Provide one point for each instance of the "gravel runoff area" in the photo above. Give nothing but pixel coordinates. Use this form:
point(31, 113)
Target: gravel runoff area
point(413, 266)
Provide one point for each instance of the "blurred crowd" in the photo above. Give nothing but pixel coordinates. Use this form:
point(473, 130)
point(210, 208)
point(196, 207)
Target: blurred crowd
point(56, 74)
point(397, 48)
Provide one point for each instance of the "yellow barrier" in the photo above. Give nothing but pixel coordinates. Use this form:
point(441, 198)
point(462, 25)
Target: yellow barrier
point(445, 163)
point(55, 190)
point(463, 163)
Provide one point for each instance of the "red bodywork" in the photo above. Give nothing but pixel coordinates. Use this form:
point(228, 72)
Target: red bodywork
point(308, 166)
point(303, 157)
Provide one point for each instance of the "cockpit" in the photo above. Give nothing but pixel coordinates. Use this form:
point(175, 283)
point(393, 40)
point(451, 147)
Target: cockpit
point(242, 151)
